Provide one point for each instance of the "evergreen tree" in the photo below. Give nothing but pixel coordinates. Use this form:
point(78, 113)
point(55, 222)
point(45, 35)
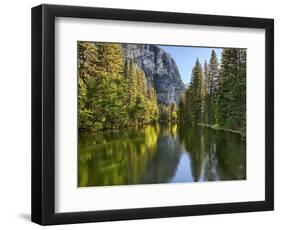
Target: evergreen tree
point(106, 88)
point(181, 110)
point(113, 93)
point(152, 104)
point(87, 62)
point(174, 109)
point(110, 58)
point(131, 82)
point(188, 107)
point(206, 101)
point(165, 112)
point(87, 59)
point(101, 85)
point(229, 68)
point(196, 93)
point(206, 77)
point(231, 106)
point(213, 79)
point(222, 93)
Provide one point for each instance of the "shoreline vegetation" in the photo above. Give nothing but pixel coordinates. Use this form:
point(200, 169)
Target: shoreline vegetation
point(217, 127)
point(114, 94)
point(216, 94)
point(214, 127)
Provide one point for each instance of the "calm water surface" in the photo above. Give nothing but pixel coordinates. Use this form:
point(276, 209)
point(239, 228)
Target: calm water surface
point(160, 154)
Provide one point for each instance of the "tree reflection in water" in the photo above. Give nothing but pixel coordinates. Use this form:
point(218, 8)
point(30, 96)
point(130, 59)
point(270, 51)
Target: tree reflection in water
point(163, 153)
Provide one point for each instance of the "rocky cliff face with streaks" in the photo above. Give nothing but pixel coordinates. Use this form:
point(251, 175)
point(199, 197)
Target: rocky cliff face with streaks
point(160, 69)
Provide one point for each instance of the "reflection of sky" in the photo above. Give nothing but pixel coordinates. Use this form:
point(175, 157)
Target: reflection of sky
point(183, 172)
point(185, 58)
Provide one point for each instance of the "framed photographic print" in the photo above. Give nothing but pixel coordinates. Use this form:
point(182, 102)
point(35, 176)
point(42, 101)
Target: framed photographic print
point(142, 114)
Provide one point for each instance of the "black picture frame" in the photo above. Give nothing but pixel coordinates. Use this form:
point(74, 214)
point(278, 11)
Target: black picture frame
point(43, 114)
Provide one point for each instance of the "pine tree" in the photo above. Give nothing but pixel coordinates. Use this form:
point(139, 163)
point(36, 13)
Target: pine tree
point(206, 100)
point(110, 58)
point(131, 82)
point(87, 59)
point(213, 79)
point(196, 93)
point(101, 85)
point(206, 77)
point(221, 91)
point(173, 112)
point(164, 112)
point(87, 62)
point(231, 106)
point(153, 106)
point(182, 109)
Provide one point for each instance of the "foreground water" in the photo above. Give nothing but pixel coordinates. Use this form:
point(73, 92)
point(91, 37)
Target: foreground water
point(166, 153)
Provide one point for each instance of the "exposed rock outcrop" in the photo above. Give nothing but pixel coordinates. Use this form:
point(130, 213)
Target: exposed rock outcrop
point(160, 69)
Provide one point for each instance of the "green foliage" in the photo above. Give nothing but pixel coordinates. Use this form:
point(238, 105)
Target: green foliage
point(152, 104)
point(191, 105)
point(111, 93)
point(231, 102)
point(165, 112)
point(168, 112)
point(87, 61)
point(217, 95)
point(212, 78)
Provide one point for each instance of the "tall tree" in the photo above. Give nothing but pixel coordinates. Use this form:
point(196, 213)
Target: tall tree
point(152, 104)
point(196, 93)
point(213, 80)
point(223, 96)
point(206, 101)
point(107, 92)
point(87, 59)
point(110, 58)
point(231, 106)
point(87, 63)
point(181, 111)
point(206, 77)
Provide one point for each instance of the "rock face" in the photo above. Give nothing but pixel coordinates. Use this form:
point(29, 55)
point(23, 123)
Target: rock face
point(160, 69)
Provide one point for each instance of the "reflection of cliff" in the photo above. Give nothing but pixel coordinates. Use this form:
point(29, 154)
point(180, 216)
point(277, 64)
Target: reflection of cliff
point(162, 166)
point(116, 159)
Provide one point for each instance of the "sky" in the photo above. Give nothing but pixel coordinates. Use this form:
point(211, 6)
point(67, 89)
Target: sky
point(185, 58)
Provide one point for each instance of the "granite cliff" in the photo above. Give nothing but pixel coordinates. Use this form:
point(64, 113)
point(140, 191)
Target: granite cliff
point(160, 69)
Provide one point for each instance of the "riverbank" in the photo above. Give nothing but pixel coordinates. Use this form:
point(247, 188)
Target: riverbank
point(116, 129)
point(217, 127)
point(127, 127)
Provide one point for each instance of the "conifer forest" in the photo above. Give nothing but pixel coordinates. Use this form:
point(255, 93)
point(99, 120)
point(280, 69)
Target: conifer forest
point(143, 120)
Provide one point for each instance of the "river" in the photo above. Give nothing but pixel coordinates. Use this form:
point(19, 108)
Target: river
point(162, 153)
